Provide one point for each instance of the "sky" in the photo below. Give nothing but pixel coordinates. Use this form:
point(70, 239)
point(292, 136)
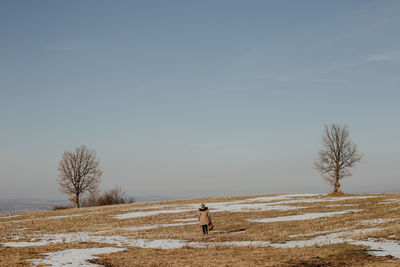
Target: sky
point(197, 98)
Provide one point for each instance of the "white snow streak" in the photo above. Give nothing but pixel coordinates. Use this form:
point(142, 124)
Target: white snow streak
point(278, 203)
point(74, 257)
point(187, 220)
point(147, 227)
point(381, 247)
point(138, 214)
point(306, 216)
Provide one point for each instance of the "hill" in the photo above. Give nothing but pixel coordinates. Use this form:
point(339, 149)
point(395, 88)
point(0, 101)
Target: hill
point(267, 230)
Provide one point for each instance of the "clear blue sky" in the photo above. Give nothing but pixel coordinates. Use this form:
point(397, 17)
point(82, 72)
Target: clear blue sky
point(197, 98)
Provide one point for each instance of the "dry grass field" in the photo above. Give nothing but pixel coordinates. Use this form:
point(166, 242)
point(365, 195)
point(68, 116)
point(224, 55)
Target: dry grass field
point(268, 230)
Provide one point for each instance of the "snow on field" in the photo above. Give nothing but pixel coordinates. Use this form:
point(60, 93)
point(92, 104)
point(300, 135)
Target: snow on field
point(318, 233)
point(377, 247)
point(27, 244)
point(138, 214)
point(243, 243)
point(84, 237)
point(216, 207)
point(187, 220)
point(163, 206)
point(316, 200)
point(24, 220)
point(74, 257)
point(49, 217)
point(300, 217)
point(9, 216)
point(147, 227)
point(278, 203)
point(230, 206)
point(340, 205)
point(73, 215)
point(381, 247)
point(20, 229)
point(333, 238)
point(140, 228)
point(11, 237)
point(246, 207)
point(152, 207)
point(277, 198)
point(390, 201)
point(377, 221)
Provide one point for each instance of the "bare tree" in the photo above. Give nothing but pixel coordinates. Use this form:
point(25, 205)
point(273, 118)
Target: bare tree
point(337, 156)
point(79, 173)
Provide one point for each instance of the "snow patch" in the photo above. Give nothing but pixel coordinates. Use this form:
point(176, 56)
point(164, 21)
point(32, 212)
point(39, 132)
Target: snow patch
point(84, 237)
point(9, 216)
point(27, 244)
point(278, 197)
point(334, 238)
point(377, 221)
point(241, 207)
point(300, 217)
point(74, 257)
point(138, 214)
point(278, 203)
point(381, 247)
point(317, 233)
point(340, 205)
point(389, 201)
point(147, 227)
point(187, 220)
point(50, 217)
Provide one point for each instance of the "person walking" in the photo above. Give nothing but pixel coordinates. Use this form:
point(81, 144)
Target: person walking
point(204, 218)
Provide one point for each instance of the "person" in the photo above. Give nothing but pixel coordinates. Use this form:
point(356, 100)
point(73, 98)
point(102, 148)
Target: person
point(204, 218)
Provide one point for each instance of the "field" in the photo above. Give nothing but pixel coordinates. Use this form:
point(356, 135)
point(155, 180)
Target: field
point(266, 230)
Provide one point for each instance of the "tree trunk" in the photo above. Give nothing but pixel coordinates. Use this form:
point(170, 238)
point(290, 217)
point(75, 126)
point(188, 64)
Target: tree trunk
point(77, 200)
point(337, 186)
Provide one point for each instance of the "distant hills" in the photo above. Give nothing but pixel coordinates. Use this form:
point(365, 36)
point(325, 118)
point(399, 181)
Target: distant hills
point(12, 206)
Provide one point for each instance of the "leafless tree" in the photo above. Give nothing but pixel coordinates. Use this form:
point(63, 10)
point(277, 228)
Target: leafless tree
point(79, 173)
point(337, 156)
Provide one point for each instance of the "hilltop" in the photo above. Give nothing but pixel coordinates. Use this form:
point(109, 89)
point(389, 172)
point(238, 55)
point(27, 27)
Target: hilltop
point(266, 230)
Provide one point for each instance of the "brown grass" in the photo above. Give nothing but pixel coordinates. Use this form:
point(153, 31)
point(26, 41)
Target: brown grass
point(94, 219)
point(336, 255)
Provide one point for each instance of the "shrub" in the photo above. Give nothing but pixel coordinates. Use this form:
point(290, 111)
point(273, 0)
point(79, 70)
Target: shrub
point(111, 197)
point(62, 207)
